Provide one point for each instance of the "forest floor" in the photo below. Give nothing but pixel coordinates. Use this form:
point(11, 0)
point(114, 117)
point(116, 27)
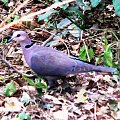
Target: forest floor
point(86, 96)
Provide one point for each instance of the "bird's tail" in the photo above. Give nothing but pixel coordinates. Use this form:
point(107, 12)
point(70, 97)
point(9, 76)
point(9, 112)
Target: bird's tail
point(85, 67)
point(104, 69)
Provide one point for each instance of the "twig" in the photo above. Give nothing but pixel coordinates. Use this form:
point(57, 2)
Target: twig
point(15, 69)
point(48, 40)
point(10, 65)
point(85, 46)
point(95, 117)
point(114, 35)
point(55, 5)
point(84, 40)
point(14, 12)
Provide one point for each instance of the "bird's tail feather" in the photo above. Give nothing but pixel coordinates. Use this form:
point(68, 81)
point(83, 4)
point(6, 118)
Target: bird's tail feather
point(104, 69)
point(85, 67)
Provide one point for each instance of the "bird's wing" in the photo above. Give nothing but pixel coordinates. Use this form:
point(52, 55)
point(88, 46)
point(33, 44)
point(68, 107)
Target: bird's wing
point(51, 62)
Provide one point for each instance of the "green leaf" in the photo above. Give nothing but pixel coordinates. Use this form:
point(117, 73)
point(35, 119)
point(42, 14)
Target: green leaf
point(46, 15)
point(116, 4)
point(40, 84)
point(113, 105)
point(5, 2)
point(81, 4)
point(100, 58)
point(83, 54)
point(74, 10)
point(16, 17)
point(107, 60)
point(9, 21)
point(94, 3)
point(23, 116)
point(108, 57)
point(91, 53)
point(105, 39)
point(10, 89)
point(29, 80)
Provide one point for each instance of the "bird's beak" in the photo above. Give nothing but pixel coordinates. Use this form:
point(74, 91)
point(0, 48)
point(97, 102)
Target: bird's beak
point(11, 39)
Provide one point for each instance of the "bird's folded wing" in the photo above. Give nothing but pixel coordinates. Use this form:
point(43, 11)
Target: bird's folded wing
point(52, 63)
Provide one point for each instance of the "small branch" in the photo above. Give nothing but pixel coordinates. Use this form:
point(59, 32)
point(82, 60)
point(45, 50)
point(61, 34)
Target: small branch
point(54, 6)
point(16, 70)
point(95, 109)
point(85, 46)
point(48, 40)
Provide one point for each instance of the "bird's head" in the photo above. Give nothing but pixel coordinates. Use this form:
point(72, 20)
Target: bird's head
point(19, 36)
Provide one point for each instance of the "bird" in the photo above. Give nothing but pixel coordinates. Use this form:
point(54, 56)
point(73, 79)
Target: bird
point(52, 63)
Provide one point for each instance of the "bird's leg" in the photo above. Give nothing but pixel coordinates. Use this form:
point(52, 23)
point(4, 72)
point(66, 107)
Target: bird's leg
point(52, 81)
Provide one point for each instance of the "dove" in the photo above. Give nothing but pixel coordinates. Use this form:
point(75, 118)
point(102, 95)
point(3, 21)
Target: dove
point(51, 63)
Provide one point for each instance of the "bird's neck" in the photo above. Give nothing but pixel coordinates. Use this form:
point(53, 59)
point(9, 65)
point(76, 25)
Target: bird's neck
point(27, 47)
point(26, 44)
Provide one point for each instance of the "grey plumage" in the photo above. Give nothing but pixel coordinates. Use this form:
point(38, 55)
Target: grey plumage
point(52, 63)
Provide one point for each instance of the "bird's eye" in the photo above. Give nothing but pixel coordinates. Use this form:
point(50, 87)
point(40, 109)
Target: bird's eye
point(18, 35)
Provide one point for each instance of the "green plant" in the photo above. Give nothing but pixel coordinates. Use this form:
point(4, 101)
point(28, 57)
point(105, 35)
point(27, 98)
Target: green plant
point(70, 15)
point(14, 17)
point(9, 89)
point(86, 54)
point(116, 4)
point(107, 55)
point(38, 83)
point(5, 2)
point(24, 116)
point(94, 3)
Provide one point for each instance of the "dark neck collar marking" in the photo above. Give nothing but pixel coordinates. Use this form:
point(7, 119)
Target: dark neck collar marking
point(28, 46)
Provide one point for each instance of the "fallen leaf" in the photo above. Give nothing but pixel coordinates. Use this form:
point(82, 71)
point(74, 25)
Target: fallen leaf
point(12, 105)
point(81, 97)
